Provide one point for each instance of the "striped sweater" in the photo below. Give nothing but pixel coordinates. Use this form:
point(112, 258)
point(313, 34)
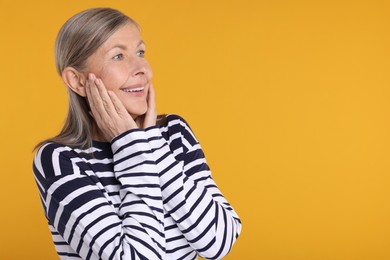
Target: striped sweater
point(148, 194)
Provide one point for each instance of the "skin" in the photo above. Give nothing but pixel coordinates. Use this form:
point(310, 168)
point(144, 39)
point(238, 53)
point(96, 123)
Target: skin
point(111, 116)
point(117, 65)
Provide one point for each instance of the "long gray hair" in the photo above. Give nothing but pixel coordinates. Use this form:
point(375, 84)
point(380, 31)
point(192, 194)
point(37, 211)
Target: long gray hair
point(77, 40)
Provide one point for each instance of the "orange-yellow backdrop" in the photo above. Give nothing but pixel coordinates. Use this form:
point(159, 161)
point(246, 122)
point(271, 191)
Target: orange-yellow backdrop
point(290, 100)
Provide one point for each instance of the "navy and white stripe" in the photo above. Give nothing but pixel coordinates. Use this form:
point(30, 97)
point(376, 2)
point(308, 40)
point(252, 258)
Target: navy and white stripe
point(148, 194)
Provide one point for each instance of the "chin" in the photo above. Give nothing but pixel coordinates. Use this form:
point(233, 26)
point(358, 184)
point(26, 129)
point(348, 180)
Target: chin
point(137, 112)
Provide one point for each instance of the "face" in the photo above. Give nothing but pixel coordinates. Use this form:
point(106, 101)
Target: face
point(121, 65)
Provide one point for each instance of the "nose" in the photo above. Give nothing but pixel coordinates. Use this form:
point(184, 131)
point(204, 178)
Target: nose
point(139, 67)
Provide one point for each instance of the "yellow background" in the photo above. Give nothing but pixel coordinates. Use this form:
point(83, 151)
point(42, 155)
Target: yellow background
point(290, 100)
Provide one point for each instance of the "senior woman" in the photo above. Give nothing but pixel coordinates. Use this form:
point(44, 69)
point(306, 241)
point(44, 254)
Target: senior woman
point(120, 182)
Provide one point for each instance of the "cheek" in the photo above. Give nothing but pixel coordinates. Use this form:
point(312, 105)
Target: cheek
point(113, 78)
point(149, 72)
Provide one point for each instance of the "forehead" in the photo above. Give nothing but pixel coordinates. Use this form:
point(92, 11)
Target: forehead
point(127, 35)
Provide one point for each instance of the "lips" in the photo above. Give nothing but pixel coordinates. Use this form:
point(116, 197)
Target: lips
point(133, 89)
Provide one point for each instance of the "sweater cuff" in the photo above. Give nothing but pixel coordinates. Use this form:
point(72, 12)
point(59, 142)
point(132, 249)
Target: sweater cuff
point(127, 138)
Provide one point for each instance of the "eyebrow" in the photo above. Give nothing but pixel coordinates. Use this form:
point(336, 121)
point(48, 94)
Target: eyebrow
point(124, 47)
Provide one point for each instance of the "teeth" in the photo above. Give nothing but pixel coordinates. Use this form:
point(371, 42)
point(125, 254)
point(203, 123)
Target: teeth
point(133, 89)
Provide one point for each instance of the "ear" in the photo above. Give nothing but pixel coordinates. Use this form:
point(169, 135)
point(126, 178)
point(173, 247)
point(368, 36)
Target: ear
point(75, 80)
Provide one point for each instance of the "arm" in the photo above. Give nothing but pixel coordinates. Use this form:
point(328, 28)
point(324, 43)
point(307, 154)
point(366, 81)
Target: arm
point(189, 193)
point(80, 210)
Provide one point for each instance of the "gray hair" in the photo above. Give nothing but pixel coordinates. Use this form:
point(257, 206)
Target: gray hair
point(77, 40)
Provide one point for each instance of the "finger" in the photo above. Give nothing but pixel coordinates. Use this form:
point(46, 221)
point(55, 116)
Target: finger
point(151, 114)
point(91, 96)
point(120, 109)
point(88, 90)
point(105, 98)
point(117, 103)
point(94, 99)
point(152, 98)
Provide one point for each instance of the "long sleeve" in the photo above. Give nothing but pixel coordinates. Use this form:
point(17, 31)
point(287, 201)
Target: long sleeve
point(189, 193)
point(151, 197)
point(80, 209)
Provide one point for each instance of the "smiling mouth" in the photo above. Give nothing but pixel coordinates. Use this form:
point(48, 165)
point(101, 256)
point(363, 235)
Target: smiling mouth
point(133, 89)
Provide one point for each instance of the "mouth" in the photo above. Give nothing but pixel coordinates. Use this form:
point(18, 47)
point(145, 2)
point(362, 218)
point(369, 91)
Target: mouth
point(136, 90)
point(132, 89)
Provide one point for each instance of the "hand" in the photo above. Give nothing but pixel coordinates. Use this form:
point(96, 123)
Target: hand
point(108, 111)
point(150, 117)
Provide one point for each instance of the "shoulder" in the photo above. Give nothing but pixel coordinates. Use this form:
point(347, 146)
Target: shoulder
point(175, 126)
point(48, 150)
point(52, 158)
point(169, 119)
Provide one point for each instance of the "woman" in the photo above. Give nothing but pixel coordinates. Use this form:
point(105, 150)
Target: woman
point(118, 182)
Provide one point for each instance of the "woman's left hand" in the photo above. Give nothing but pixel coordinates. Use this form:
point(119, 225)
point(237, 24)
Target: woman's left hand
point(150, 117)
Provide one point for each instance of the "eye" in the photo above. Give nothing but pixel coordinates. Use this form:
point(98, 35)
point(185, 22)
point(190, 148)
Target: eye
point(118, 57)
point(141, 53)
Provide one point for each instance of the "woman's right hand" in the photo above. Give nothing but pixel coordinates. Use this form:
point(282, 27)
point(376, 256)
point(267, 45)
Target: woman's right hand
point(108, 111)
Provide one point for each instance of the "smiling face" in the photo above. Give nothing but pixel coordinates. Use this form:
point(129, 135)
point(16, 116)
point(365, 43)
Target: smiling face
point(121, 65)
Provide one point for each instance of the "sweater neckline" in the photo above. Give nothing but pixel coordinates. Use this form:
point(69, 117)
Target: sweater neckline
point(101, 144)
